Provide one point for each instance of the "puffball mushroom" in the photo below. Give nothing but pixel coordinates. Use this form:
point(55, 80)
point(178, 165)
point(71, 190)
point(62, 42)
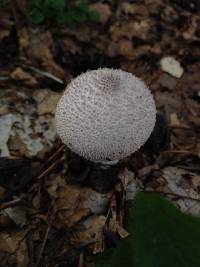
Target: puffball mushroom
point(105, 115)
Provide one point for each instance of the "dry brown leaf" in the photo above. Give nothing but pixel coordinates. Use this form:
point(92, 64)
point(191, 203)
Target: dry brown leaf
point(195, 120)
point(72, 202)
point(2, 191)
point(4, 220)
point(190, 32)
point(130, 184)
point(20, 75)
point(22, 255)
point(53, 184)
point(174, 120)
point(90, 233)
point(126, 48)
point(179, 184)
point(23, 39)
point(69, 45)
point(130, 29)
point(98, 246)
point(40, 50)
point(167, 81)
point(46, 101)
point(76, 216)
point(195, 181)
point(139, 9)
point(9, 242)
point(5, 26)
point(116, 228)
point(17, 215)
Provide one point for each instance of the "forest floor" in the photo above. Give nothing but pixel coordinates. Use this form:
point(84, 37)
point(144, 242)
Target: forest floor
point(56, 208)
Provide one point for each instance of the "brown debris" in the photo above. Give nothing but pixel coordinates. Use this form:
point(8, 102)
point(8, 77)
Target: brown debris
point(43, 217)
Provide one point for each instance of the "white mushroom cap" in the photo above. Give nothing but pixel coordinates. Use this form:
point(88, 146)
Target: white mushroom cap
point(105, 114)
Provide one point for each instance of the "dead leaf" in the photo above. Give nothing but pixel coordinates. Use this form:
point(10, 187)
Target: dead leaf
point(17, 215)
point(71, 220)
point(190, 32)
point(72, 203)
point(179, 184)
point(126, 48)
point(40, 51)
point(46, 100)
point(195, 181)
point(90, 234)
point(9, 242)
point(20, 75)
point(137, 9)
point(174, 120)
point(22, 255)
point(116, 228)
point(130, 29)
point(69, 45)
point(167, 81)
point(23, 39)
point(5, 25)
point(129, 183)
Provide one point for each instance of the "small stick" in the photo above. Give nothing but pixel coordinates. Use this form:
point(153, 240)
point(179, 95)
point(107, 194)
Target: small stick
point(81, 259)
point(43, 245)
point(11, 203)
point(49, 169)
point(180, 127)
point(180, 152)
point(41, 72)
point(54, 155)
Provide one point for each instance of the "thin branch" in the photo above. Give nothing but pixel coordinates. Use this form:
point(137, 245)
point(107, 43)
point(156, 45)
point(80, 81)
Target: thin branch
point(43, 246)
point(41, 72)
point(49, 169)
point(11, 203)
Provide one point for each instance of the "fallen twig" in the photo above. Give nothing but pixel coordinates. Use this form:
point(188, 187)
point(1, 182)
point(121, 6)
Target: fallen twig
point(43, 245)
point(11, 203)
point(41, 72)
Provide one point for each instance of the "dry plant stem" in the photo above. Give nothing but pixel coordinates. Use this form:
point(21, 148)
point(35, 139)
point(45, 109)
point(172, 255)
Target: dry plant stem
point(81, 259)
point(52, 167)
point(52, 157)
point(180, 152)
point(43, 246)
point(30, 250)
point(43, 73)
point(11, 203)
point(180, 127)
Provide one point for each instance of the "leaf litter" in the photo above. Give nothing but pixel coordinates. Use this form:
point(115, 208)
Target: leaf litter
point(45, 213)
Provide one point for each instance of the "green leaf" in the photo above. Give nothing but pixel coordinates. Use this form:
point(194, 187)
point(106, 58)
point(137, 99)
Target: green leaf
point(80, 18)
point(160, 236)
point(94, 16)
point(57, 4)
point(37, 4)
point(70, 17)
point(83, 7)
point(36, 16)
